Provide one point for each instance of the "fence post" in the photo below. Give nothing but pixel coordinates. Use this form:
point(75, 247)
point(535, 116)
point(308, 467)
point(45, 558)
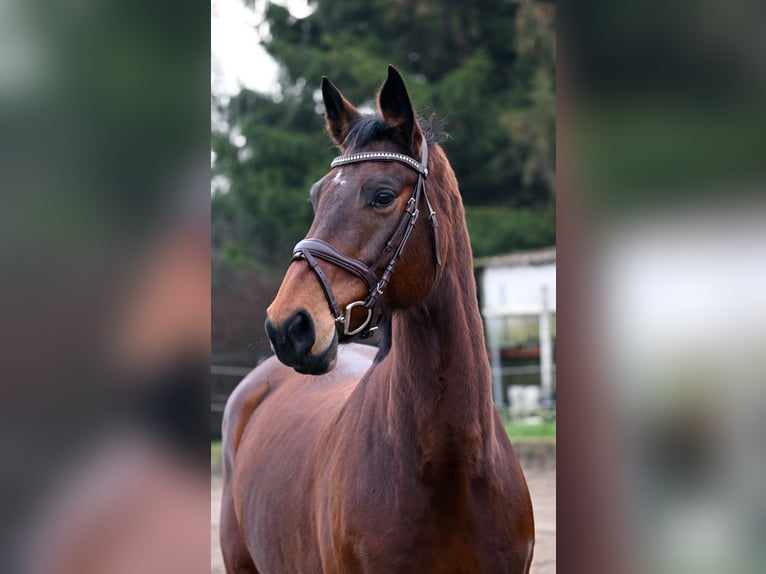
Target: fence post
point(546, 354)
point(493, 326)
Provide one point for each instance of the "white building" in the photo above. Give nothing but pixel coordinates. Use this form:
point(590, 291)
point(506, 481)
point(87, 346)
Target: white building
point(517, 294)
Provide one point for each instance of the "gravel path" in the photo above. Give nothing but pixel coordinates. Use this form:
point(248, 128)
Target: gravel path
point(542, 485)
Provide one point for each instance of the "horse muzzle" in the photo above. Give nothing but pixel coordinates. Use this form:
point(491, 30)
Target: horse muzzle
point(293, 341)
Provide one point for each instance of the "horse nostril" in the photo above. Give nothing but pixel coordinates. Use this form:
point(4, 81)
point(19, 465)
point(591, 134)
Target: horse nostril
point(292, 340)
point(300, 331)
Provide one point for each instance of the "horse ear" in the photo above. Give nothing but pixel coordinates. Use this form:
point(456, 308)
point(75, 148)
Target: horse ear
point(339, 112)
point(396, 108)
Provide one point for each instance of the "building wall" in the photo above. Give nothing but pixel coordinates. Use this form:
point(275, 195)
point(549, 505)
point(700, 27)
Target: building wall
point(512, 305)
point(518, 287)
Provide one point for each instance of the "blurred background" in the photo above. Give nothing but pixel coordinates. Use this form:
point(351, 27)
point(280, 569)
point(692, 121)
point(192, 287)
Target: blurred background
point(662, 252)
point(104, 286)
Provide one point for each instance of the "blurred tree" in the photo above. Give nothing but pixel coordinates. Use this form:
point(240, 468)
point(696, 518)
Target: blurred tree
point(266, 163)
point(488, 66)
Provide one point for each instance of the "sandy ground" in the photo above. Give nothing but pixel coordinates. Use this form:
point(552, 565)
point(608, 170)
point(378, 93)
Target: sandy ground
point(542, 485)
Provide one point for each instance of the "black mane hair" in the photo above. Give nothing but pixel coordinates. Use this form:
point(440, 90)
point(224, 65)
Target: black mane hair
point(368, 128)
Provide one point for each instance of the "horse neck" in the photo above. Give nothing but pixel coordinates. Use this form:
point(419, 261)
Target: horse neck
point(439, 386)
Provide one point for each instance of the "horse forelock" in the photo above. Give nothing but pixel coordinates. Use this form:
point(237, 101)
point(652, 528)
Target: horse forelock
point(369, 128)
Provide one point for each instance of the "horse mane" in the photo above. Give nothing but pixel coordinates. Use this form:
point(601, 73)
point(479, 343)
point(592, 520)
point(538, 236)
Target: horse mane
point(369, 128)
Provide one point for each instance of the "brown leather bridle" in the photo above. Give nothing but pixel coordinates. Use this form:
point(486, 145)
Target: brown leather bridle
point(311, 249)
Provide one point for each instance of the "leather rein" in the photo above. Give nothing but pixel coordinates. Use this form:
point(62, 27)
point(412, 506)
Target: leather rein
point(311, 249)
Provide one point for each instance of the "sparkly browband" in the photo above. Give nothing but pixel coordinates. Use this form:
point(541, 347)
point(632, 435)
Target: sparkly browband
point(380, 156)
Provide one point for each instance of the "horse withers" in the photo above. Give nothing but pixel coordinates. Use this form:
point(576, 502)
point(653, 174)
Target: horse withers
point(343, 458)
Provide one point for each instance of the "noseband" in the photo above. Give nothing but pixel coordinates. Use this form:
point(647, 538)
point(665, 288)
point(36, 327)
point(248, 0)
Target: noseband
point(312, 249)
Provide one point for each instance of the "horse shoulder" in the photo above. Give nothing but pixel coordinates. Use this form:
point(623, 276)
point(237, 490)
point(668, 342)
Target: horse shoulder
point(269, 376)
point(277, 424)
point(241, 405)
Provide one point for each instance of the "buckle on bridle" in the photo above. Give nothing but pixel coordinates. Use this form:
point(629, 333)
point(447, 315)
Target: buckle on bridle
point(347, 319)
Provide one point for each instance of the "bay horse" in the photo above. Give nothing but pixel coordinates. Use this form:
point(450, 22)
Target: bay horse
point(343, 458)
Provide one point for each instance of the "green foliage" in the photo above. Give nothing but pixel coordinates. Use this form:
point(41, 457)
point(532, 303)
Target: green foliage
point(269, 165)
point(488, 67)
point(545, 430)
point(496, 230)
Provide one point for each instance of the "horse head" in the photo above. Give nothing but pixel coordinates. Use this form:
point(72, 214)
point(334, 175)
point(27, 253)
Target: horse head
point(372, 216)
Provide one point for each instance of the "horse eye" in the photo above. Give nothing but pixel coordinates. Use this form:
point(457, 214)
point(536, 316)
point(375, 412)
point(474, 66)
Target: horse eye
point(384, 198)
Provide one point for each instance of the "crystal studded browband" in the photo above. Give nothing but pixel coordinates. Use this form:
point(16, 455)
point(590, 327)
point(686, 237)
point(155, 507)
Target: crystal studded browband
point(380, 156)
